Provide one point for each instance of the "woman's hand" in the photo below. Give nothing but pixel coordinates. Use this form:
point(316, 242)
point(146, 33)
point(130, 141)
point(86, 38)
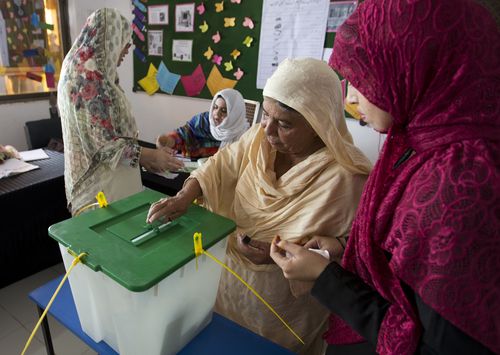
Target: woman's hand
point(255, 251)
point(164, 141)
point(296, 261)
point(332, 244)
point(158, 160)
point(170, 208)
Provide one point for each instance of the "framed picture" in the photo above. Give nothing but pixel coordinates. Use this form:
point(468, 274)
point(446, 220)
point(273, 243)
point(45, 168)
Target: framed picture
point(338, 12)
point(158, 14)
point(182, 50)
point(184, 17)
point(155, 43)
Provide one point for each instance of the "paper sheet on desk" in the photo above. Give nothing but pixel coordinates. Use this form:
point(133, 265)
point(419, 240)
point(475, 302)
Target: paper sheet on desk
point(15, 166)
point(35, 154)
point(167, 175)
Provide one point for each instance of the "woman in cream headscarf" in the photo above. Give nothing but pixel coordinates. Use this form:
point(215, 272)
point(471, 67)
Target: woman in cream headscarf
point(101, 152)
point(296, 174)
point(203, 134)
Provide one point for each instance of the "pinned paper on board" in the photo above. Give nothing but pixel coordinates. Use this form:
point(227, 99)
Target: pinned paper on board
point(235, 53)
point(248, 22)
point(149, 82)
point(182, 50)
point(238, 74)
point(217, 82)
point(201, 8)
point(216, 37)
point(155, 43)
point(228, 65)
point(184, 17)
point(229, 21)
point(248, 41)
point(208, 53)
point(194, 83)
point(140, 6)
point(217, 59)
point(203, 27)
point(166, 79)
point(157, 15)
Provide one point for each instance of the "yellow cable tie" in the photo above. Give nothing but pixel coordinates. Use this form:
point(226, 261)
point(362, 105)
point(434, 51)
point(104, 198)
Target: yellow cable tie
point(198, 250)
point(75, 261)
point(198, 247)
point(101, 199)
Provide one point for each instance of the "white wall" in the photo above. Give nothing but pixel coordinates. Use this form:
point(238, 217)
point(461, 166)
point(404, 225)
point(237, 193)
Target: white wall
point(154, 115)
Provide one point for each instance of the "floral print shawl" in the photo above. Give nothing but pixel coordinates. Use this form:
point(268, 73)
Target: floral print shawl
point(98, 128)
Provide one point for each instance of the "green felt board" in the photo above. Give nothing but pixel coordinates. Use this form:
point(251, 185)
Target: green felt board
point(231, 38)
point(106, 235)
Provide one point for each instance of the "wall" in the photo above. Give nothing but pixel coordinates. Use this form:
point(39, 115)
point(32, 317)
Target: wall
point(154, 114)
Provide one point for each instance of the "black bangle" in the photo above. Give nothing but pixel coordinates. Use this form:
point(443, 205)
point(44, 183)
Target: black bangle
point(342, 243)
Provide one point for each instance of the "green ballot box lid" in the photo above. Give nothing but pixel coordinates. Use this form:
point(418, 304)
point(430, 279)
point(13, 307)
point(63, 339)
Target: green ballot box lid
point(130, 251)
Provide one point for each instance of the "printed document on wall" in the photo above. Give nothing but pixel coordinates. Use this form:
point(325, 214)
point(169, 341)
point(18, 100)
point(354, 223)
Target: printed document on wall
point(290, 29)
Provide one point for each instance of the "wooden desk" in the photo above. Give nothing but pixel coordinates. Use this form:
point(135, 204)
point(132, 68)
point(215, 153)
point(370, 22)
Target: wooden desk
point(29, 204)
point(220, 337)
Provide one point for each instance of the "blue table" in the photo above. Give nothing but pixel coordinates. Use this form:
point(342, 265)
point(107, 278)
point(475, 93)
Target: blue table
point(220, 337)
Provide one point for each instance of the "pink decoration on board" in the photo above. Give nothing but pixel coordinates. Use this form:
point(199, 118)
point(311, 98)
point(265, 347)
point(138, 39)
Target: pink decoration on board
point(238, 74)
point(217, 59)
point(138, 32)
point(248, 23)
point(194, 83)
point(236, 1)
point(49, 80)
point(201, 8)
point(216, 37)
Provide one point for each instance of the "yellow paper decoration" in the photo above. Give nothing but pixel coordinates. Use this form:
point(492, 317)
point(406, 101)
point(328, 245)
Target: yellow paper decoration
point(209, 53)
point(229, 21)
point(216, 82)
point(204, 27)
point(248, 41)
point(235, 54)
point(219, 6)
point(149, 82)
point(228, 65)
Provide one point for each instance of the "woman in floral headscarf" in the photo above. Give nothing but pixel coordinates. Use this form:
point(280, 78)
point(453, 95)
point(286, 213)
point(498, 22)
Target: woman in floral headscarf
point(421, 268)
point(202, 136)
point(101, 152)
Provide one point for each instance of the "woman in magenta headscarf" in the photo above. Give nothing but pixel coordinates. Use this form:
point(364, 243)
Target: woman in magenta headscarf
point(420, 273)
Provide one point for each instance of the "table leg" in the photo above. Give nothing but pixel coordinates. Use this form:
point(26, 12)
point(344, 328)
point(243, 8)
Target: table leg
point(46, 333)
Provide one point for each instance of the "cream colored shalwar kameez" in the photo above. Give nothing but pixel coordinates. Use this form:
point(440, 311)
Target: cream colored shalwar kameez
point(318, 196)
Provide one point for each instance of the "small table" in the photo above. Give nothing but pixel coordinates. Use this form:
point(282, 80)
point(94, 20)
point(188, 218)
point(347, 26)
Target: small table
point(220, 337)
point(30, 203)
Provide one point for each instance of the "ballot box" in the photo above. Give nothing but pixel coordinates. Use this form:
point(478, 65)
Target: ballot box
point(140, 288)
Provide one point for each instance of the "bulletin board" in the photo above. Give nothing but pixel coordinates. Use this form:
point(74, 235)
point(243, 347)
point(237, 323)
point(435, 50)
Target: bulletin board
point(225, 36)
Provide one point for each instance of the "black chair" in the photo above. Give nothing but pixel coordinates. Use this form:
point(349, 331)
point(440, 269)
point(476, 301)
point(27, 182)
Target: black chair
point(40, 132)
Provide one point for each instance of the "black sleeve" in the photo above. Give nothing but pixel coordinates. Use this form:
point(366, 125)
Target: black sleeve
point(346, 295)
point(442, 337)
point(363, 308)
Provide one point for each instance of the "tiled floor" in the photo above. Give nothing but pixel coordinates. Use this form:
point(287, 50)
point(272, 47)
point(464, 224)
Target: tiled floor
point(18, 317)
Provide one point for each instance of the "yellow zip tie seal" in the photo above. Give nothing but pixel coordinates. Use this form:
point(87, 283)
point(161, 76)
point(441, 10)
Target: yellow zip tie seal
point(101, 199)
point(198, 250)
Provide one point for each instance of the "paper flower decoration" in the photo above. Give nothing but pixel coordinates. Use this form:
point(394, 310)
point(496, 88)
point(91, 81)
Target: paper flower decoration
point(248, 23)
point(201, 8)
point(238, 74)
point(219, 6)
point(248, 41)
point(236, 1)
point(229, 21)
point(209, 53)
point(216, 37)
point(228, 65)
point(235, 54)
point(217, 59)
point(204, 27)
